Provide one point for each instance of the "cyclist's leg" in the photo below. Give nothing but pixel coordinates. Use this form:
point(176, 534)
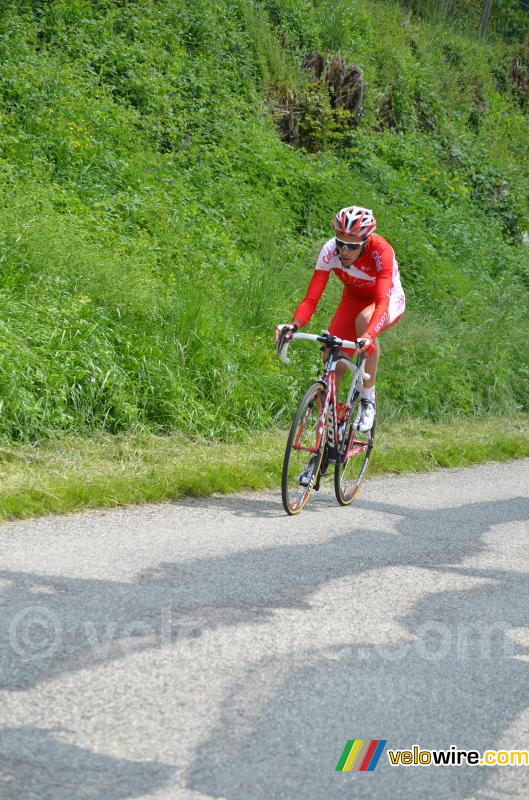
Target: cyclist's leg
point(397, 304)
point(340, 367)
point(365, 418)
point(361, 322)
point(343, 325)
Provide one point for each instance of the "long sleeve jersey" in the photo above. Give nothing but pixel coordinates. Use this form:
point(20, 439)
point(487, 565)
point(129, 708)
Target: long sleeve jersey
point(374, 275)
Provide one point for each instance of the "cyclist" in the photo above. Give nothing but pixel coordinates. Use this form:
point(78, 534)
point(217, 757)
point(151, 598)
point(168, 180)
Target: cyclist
point(372, 298)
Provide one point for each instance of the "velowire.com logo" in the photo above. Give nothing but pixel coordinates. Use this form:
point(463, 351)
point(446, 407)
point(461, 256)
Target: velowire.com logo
point(360, 755)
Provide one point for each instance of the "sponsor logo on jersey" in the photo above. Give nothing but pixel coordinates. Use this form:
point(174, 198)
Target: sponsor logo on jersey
point(378, 261)
point(381, 323)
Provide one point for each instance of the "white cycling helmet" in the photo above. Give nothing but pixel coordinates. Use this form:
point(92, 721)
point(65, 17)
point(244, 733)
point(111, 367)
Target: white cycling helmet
point(355, 220)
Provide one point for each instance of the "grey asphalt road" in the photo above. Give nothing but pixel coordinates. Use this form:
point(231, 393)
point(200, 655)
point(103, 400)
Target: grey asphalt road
point(219, 649)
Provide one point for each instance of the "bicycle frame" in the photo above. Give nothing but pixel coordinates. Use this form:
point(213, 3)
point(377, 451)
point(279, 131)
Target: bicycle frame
point(319, 437)
point(330, 410)
point(328, 416)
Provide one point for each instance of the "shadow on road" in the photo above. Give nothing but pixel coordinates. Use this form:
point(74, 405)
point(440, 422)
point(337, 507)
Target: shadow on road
point(36, 765)
point(266, 507)
point(330, 697)
point(75, 623)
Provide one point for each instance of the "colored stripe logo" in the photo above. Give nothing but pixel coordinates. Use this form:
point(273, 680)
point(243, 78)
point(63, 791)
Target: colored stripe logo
point(360, 755)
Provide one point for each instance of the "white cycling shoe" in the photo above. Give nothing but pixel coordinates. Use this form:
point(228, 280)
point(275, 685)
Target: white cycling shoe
point(365, 417)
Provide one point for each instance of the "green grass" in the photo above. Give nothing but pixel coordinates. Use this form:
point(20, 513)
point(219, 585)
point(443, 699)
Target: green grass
point(77, 474)
point(154, 227)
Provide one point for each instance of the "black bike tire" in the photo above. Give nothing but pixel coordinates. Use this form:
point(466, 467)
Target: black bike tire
point(338, 471)
point(311, 391)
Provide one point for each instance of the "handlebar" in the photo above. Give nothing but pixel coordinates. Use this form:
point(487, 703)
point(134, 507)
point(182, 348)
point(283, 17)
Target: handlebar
point(312, 337)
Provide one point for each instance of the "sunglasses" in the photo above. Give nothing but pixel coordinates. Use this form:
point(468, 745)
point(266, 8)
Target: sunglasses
point(348, 245)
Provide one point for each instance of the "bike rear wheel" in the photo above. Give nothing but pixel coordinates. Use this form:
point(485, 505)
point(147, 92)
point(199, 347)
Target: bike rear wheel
point(354, 454)
point(303, 453)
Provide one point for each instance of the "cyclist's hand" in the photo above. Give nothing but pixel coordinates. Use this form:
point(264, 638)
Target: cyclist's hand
point(365, 345)
point(283, 333)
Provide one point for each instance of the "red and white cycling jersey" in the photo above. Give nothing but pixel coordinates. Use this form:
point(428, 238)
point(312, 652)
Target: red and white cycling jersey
point(374, 277)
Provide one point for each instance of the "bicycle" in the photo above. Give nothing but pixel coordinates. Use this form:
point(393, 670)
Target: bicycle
point(324, 431)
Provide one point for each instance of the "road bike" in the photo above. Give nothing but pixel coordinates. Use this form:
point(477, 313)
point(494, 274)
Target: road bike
point(323, 432)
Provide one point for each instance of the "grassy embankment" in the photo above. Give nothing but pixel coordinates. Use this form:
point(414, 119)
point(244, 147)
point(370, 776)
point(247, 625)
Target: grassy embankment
point(107, 471)
point(154, 227)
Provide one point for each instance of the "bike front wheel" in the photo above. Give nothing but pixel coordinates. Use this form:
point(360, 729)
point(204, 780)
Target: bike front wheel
point(353, 458)
point(303, 452)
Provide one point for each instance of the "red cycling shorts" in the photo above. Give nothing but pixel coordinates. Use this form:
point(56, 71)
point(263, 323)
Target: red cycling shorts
point(343, 324)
